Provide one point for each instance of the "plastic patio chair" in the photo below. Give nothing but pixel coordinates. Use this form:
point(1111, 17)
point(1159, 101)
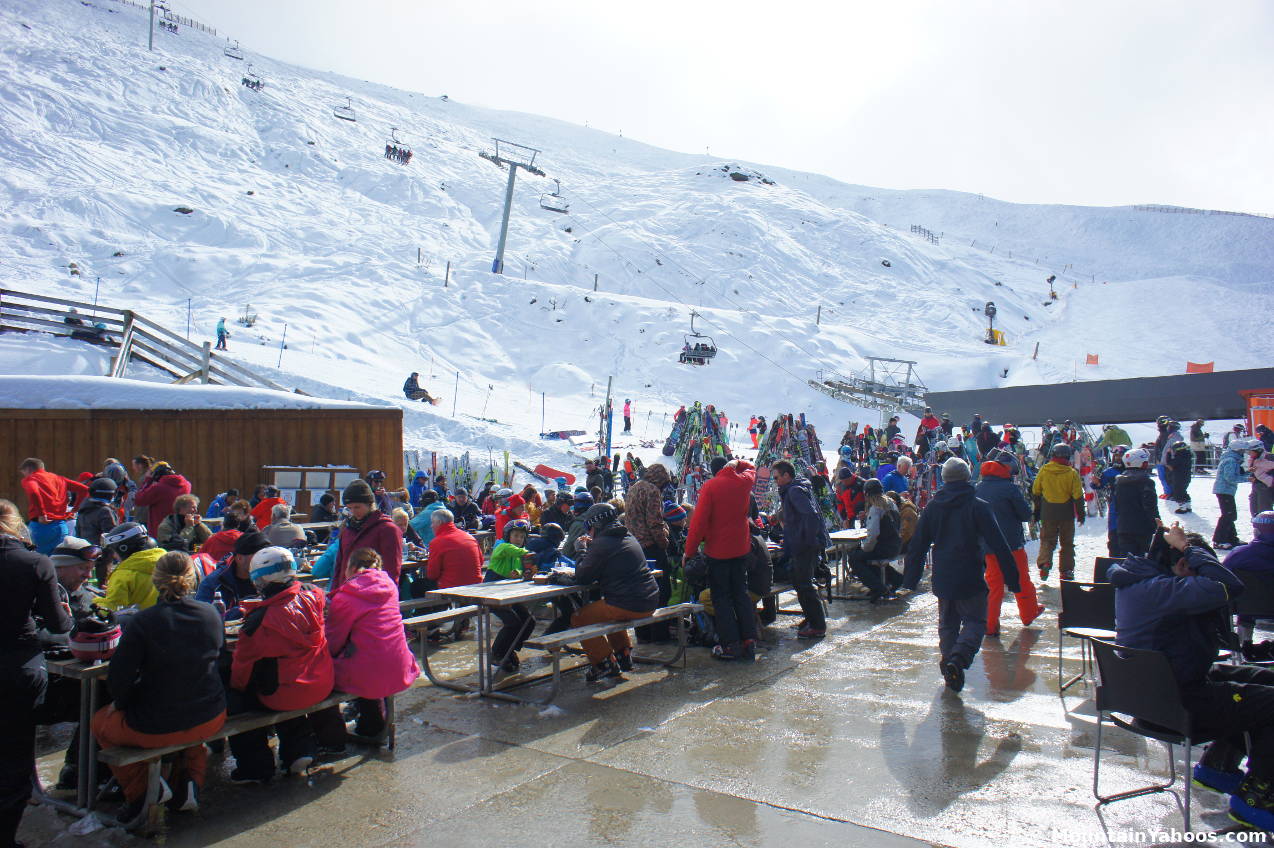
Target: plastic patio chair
point(1136, 690)
point(1101, 565)
point(1088, 612)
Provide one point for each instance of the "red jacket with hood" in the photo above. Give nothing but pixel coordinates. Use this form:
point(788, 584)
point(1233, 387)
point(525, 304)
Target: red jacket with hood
point(283, 650)
point(158, 496)
point(720, 518)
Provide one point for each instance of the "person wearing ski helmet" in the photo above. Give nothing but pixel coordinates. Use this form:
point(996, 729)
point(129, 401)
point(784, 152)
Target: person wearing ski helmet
point(1135, 504)
point(580, 504)
point(1106, 483)
point(1229, 474)
point(130, 583)
point(281, 662)
point(511, 559)
point(614, 560)
point(1059, 502)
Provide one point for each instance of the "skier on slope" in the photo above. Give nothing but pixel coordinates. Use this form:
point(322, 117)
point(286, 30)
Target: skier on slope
point(222, 334)
point(628, 416)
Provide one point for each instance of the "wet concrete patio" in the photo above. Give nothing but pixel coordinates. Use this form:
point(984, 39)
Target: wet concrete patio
point(849, 741)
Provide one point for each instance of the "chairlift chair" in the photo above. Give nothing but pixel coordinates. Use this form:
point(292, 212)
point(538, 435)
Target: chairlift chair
point(346, 112)
point(253, 81)
point(699, 349)
point(232, 50)
point(555, 202)
point(396, 148)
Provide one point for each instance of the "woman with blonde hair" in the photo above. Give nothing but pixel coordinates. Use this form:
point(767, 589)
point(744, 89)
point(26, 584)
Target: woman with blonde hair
point(28, 584)
point(165, 687)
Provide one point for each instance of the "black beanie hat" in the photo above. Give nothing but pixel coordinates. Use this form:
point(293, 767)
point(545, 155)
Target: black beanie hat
point(358, 492)
point(717, 463)
point(249, 543)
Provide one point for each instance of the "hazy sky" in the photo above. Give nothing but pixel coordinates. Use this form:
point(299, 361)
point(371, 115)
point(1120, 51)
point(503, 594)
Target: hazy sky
point(1084, 101)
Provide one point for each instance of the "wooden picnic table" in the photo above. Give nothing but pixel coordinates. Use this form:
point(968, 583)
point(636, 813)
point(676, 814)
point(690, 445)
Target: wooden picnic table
point(497, 595)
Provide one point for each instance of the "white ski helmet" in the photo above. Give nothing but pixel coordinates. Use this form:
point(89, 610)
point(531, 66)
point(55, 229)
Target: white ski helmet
point(1246, 443)
point(1136, 458)
point(272, 565)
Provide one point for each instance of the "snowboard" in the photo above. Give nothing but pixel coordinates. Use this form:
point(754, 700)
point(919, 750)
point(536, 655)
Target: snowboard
point(678, 425)
point(562, 434)
point(532, 472)
point(552, 474)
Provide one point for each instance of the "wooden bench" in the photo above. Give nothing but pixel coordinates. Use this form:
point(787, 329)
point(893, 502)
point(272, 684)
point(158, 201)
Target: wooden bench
point(422, 624)
point(555, 643)
point(234, 725)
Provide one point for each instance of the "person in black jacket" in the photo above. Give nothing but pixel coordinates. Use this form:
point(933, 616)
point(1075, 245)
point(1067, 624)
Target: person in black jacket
point(468, 516)
point(27, 584)
point(614, 560)
point(955, 523)
point(95, 516)
point(164, 686)
point(1136, 506)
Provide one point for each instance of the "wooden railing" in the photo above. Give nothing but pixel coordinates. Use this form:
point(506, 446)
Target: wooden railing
point(133, 336)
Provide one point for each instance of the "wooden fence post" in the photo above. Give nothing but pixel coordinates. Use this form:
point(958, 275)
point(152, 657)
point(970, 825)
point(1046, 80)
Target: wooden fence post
point(120, 365)
point(205, 360)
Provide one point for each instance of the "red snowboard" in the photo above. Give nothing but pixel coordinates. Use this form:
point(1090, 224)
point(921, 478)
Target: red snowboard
point(553, 474)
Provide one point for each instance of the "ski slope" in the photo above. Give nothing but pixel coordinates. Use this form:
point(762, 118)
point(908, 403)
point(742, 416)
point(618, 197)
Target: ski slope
point(344, 253)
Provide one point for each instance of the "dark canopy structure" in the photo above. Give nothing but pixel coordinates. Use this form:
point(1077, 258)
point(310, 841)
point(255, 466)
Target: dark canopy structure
point(1182, 396)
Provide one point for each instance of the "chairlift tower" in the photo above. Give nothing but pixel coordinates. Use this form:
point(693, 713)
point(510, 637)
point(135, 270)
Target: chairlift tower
point(513, 156)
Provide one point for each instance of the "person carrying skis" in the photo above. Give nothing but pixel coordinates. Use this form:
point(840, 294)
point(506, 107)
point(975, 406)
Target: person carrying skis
point(222, 334)
point(413, 391)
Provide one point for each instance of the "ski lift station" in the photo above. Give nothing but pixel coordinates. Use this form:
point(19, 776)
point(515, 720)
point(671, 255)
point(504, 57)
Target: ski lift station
point(699, 349)
point(232, 50)
point(555, 202)
point(346, 112)
point(889, 385)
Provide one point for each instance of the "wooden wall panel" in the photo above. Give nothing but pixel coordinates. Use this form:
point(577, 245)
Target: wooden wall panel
point(214, 450)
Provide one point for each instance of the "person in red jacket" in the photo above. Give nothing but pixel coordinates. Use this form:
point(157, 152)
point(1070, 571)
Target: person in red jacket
point(281, 662)
point(454, 556)
point(720, 523)
point(515, 508)
point(48, 504)
point(159, 493)
point(849, 496)
point(367, 527)
point(261, 512)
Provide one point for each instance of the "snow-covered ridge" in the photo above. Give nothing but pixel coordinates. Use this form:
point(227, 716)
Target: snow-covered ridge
point(83, 392)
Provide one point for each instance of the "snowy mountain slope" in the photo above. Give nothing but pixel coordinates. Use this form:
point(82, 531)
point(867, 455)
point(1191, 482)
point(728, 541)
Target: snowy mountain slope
point(300, 215)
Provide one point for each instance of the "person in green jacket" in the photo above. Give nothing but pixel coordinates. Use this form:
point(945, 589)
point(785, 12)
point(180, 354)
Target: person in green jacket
point(1112, 436)
point(509, 560)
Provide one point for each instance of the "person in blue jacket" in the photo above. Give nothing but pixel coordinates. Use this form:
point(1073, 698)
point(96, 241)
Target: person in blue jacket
point(419, 485)
point(896, 480)
point(1176, 600)
point(422, 522)
point(218, 506)
point(1106, 483)
point(955, 524)
point(1229, 474)
point(231, 582)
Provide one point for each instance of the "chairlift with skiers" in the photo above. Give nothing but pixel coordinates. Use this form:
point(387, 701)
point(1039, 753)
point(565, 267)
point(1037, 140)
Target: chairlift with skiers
point(253, 81)
point(699, 349)
point(232, 51)
point(555, 202)
point(346, 112)
point(397, 149)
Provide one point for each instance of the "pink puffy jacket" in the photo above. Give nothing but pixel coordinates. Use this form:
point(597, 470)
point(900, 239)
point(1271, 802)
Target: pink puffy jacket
point(365, 636)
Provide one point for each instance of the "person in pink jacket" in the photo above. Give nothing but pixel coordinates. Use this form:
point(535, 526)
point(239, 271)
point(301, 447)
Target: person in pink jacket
point(369, 649)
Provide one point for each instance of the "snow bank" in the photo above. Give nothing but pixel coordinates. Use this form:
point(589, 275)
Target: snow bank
point(76, 392)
